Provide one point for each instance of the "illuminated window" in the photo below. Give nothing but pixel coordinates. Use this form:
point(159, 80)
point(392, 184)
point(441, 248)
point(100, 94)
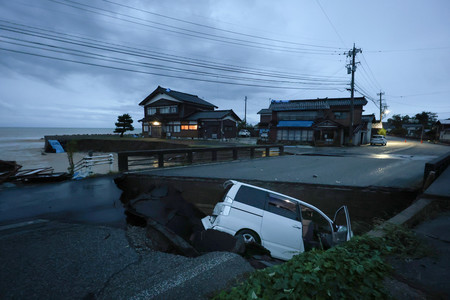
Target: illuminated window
point(189, 127)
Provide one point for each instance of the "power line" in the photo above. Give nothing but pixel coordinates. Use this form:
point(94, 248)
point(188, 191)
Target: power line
point(193, 33)
point(154, 66)
point(171, 60)
point(370, 70)
point(331, 23)
point(409, 50)
point(160, 74)
point(216, 28)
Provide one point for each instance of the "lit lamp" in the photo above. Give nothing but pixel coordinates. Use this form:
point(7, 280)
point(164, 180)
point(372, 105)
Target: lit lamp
point(156, 123)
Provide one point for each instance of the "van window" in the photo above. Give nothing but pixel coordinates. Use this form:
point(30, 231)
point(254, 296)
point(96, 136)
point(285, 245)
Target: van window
point(282, 207)
point(251, 196)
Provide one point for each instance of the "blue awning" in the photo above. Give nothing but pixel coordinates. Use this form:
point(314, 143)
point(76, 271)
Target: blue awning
point(295, 123)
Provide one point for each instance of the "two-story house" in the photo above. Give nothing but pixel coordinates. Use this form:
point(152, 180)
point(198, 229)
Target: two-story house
point(173, 114)
point(313, 121)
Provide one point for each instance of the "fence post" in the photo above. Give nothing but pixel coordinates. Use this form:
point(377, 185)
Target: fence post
point(281, 150)
point(190, 157)
point(267, 151)
point(111, 161)
point(123, 161)
point(235, 153)
point(161, 160)
point(252, 152)
point(214, 155)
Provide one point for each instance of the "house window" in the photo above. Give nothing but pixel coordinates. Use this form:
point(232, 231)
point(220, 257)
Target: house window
point(341, 115)
point(189, 127)
point(297, 115)
point(173, 109)
point(151, 110)
point(303, 135)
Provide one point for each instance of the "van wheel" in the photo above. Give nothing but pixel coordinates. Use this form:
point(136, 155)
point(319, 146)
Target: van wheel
point(249, 236)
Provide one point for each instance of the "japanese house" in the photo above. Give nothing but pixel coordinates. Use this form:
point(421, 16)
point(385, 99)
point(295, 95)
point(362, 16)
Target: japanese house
point(173, 114)
point(314, 121)
point(443, 130)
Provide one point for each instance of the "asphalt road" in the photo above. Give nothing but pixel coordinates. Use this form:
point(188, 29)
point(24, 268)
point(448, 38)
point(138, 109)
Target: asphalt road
point(92, 200)
point(399, 165)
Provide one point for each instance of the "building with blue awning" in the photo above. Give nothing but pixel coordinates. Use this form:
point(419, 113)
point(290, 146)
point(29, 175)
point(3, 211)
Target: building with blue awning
point(314, 121)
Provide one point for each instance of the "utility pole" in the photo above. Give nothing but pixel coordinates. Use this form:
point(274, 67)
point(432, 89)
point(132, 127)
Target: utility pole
point(245, 113)
point(381, 105)
point(352, 53)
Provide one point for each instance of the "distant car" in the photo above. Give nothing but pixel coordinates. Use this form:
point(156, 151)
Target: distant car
point(378, 140)
point(244, 133)
point(283, 225)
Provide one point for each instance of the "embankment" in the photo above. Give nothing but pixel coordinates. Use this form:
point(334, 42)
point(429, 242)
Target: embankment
point(109, 143)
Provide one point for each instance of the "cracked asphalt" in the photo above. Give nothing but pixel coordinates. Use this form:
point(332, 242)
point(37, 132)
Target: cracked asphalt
point(54, 260)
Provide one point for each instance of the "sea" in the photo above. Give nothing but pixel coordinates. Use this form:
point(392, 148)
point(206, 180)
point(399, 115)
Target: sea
point(26, 144)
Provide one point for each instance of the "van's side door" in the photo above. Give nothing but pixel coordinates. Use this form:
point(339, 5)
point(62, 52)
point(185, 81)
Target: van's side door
point(281, 229)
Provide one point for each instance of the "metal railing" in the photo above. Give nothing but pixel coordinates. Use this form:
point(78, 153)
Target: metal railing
point(187, 155)
point(83, 168)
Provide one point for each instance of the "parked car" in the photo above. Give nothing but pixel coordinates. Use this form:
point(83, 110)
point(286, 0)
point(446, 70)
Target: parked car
point(244, 133)
point(378, 139)
point(284, 225)
point(264, 135)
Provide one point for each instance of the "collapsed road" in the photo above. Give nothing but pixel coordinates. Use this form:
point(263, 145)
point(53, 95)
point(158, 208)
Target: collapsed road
point(173, 225)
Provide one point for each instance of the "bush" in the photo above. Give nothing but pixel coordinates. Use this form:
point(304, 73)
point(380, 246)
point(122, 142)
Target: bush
point(382, 131)
point(399, 131)
point(353, 270)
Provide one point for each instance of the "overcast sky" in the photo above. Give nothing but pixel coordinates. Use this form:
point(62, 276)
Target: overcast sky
point(82, 63)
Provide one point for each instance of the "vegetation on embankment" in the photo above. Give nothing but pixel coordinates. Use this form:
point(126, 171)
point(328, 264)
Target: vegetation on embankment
point(353, 270)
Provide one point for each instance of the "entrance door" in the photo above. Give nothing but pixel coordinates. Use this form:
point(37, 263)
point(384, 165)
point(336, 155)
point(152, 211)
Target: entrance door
point(281, 229)
point(156, 131)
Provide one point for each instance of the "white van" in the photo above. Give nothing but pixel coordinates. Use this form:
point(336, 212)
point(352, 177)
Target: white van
point(283, 225)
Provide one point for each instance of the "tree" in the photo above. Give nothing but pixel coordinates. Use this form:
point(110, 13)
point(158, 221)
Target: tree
point(396, 121)
point(244, 125)
point(123, 124)
point(406, 119)
point(426, 118)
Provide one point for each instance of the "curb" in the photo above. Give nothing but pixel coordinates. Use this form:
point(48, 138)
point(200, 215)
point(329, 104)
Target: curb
point(408, 216)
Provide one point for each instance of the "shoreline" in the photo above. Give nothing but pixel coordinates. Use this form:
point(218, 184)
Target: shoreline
point(29, 153)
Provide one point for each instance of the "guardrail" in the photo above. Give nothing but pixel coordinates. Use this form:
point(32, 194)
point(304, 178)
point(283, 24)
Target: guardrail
point(123, 157)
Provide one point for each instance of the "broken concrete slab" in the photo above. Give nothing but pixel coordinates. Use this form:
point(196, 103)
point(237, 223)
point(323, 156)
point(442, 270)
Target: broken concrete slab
point(213, 240)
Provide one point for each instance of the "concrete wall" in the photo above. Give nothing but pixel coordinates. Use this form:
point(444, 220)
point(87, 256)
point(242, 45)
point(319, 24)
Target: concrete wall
point(364, 204)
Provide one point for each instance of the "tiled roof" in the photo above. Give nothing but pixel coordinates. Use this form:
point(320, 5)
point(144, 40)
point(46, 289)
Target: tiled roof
point(264, 111)
point(218, 114)
point(445, 121)
point(314, 104)
point(184, 97)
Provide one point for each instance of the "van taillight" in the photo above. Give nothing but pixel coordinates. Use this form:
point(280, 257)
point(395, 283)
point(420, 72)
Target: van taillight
point(222, 209)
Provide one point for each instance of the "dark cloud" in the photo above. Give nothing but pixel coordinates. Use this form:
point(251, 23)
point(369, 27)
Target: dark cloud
point(44, 91)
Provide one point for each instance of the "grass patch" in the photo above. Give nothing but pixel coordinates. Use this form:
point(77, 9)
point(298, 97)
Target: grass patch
point(353, 270)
